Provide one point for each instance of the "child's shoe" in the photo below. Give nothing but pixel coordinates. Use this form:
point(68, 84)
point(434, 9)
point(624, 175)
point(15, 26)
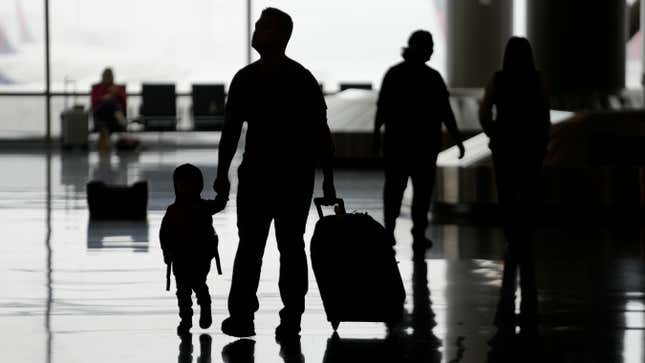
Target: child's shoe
point(183, 329)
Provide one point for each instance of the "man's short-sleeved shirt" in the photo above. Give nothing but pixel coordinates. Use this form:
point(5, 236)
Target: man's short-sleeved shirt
point(413, 101)
point(283, 109)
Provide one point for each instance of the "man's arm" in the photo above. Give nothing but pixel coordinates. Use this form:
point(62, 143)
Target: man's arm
point(381, 111)
point(165, 236)
point(324, 140)
point(326, 160)
point(228, 142)
point(546, 130)
point(121, 97)
point(451, 124)
point(96, 96)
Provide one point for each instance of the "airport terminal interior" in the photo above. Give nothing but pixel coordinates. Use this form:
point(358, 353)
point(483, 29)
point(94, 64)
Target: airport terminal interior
point(82, 286)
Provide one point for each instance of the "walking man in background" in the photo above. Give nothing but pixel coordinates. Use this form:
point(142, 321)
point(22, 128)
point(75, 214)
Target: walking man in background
point(412, 104)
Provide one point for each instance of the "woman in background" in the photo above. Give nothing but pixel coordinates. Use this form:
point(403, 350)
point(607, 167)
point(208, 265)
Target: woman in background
point(515, 115)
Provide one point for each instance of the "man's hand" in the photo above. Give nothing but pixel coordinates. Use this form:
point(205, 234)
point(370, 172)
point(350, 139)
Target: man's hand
point(462, 150)
point(219, 203)
point(329, 191)
point(222, 186)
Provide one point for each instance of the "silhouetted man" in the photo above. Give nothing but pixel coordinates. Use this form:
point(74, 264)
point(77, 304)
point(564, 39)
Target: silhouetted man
point(412, 104)
point(287, 133)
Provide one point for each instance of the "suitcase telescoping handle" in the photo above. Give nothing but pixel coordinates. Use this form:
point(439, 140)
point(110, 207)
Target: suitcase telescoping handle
point(320, 202)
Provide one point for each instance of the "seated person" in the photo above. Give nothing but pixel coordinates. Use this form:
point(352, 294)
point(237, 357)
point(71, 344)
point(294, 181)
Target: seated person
point(108, 104)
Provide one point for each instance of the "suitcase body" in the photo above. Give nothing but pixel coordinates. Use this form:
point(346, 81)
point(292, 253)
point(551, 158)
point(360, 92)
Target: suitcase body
point(74, 127)
point(116, 201)
point(355, 268)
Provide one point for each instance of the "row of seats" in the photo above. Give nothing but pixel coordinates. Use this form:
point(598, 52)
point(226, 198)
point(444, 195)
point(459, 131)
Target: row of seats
point(158, 111)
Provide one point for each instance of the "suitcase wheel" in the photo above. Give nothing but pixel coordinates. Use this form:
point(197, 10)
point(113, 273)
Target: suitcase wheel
point(335, 324)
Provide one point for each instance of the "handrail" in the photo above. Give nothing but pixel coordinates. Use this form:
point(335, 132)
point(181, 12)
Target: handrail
point(73, 94)
point(454, 92)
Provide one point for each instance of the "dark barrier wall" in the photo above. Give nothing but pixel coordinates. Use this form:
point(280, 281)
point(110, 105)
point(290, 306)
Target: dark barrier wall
point(477, 31)
point(579, 44)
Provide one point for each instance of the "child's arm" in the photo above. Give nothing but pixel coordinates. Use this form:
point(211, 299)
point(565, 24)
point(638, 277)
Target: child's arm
point(216, 205)
point(165, 234)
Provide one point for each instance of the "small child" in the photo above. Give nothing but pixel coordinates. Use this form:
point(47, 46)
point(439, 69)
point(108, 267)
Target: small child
point(189, 243)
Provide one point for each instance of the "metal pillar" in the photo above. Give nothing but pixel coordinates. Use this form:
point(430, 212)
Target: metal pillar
point(579, 45)
point(249, 31)
point(47, 77)
point(477, 31)
point(642, 25)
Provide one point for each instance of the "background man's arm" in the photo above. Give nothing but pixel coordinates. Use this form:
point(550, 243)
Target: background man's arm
point(451, 125)
point(381, 113)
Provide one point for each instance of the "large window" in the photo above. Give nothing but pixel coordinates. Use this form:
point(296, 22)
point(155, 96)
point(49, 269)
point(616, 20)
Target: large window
point(356, 41)
point(181, 42)
point(22, 50)
point(22, 68)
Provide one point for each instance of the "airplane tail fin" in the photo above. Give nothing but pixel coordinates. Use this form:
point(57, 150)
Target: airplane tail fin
point(5, 45)
point(25, 34)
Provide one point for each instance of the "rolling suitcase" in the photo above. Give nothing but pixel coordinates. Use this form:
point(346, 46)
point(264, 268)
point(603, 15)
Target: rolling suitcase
point(354, 265)
point(117, 201)
point(74, 127)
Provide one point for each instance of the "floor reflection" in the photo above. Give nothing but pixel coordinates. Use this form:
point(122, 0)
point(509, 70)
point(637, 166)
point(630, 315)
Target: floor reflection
point(291, 351)
point(118, 235)
point(240, 351)
point(69, 283)
point(116, 168)
point(186, 349)
point(424, 343)
point(48, 268)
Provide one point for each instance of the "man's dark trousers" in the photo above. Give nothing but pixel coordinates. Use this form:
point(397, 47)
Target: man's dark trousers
point(286, 201)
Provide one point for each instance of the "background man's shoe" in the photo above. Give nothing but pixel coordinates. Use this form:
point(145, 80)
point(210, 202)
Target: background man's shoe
point(205, 317)
point(238, 328)
point(287, 332)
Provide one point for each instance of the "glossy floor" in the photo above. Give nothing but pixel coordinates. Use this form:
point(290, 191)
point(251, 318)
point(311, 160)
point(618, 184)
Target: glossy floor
point(74, 291)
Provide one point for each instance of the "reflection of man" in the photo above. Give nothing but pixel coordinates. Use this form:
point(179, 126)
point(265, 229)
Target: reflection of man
point(412, 104)
point(108, 103)
point(287, 132)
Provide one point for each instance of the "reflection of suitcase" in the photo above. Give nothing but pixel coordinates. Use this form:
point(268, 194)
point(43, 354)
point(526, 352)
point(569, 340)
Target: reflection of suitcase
point(74, 127)
point(353, 261)
point(117, 202)
point(362, 350)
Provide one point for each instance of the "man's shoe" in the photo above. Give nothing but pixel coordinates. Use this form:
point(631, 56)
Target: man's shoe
point(205, 317)
point(285, 332)
point(238, 328)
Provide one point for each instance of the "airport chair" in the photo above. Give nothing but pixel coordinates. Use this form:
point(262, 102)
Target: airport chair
point(158, 110)
point(346, 86)
point(208, 106)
